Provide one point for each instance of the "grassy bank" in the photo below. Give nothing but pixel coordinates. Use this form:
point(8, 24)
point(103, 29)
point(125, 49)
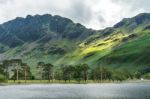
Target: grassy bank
point(71, 81)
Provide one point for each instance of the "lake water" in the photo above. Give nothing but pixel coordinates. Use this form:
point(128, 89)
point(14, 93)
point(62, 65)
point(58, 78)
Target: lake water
point(76, 91)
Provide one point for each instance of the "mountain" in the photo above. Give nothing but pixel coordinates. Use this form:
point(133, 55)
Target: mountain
point(40, 36)
point(59, 40)
point(41, 28)
point(121, 46)
point(134, 24)
point(133, 49)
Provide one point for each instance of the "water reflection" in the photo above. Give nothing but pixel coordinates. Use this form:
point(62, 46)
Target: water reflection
point(76, 91)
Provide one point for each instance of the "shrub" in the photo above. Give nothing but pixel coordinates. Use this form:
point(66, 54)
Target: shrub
point(2, 78)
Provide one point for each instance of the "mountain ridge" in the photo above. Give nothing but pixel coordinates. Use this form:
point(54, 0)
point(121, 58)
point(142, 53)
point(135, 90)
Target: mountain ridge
point(35, 27)
point(59, 40)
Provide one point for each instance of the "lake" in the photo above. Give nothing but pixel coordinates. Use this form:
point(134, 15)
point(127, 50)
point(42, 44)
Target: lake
point(77, 91)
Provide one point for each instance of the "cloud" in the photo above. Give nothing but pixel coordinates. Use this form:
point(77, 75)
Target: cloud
point(4, 1)
point(95, 14)
point(80, 11)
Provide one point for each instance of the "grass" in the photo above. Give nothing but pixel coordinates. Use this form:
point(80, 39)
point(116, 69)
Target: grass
point(103, 44)
point(135, 51)
point(98, 47)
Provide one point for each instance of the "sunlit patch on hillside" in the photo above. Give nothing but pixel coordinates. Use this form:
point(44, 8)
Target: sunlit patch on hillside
point(103, 44)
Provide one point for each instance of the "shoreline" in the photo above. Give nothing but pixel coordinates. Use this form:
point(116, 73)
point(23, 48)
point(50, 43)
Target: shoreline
point(67, 83)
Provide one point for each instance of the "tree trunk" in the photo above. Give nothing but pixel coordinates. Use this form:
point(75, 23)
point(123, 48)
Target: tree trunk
point(25, 76)
point(41, 76)
point(49, 77)
point(17, 75)
point(52, 76)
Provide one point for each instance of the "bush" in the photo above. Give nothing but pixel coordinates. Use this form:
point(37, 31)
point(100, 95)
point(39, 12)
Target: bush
point(2, 78)
point(118, 76)
point(146, 76)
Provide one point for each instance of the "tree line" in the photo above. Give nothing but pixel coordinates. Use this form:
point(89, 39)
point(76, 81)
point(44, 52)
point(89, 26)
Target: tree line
point(16, 69)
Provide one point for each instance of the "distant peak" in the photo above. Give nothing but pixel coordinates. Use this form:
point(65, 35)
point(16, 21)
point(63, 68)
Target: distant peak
point(38, 15)
point(141, 14)
point(29, 16)
point(138, 19)
point(19, 18)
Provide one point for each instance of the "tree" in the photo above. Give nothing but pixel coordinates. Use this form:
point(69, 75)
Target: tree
point(48, 71)
point(26, 71)
point(2, 73)
point(16, 63)
point(101, 73)
point(70, 70)
point(97, 74)
point(137, 75)
point(64, 73)
point(107, 74)
point(85, 69)
point(67, 72)
point(78, 73)
point(58, 74)
point(1, 69)
point(40, 66)
point(127, 74)
point(5, 66)
point(118, 76)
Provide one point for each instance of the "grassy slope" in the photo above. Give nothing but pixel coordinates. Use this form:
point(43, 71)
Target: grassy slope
point(32, 53)
point(134, 53)
point(93, 51)
point(113, 52)
point(108, 50)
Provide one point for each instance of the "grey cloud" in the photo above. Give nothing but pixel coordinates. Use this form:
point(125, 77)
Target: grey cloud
point(80, 11)
point(91, 13)
point(5, 1)
point(101, 18)
point(135, 4)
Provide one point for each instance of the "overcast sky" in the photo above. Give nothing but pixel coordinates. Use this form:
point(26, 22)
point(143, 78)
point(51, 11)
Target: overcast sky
point(94, 14)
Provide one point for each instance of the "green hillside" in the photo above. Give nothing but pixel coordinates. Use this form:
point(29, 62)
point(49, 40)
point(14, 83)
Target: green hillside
point(58, 40)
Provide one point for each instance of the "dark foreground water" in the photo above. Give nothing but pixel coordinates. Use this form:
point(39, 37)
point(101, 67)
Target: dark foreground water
point(76, 91)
